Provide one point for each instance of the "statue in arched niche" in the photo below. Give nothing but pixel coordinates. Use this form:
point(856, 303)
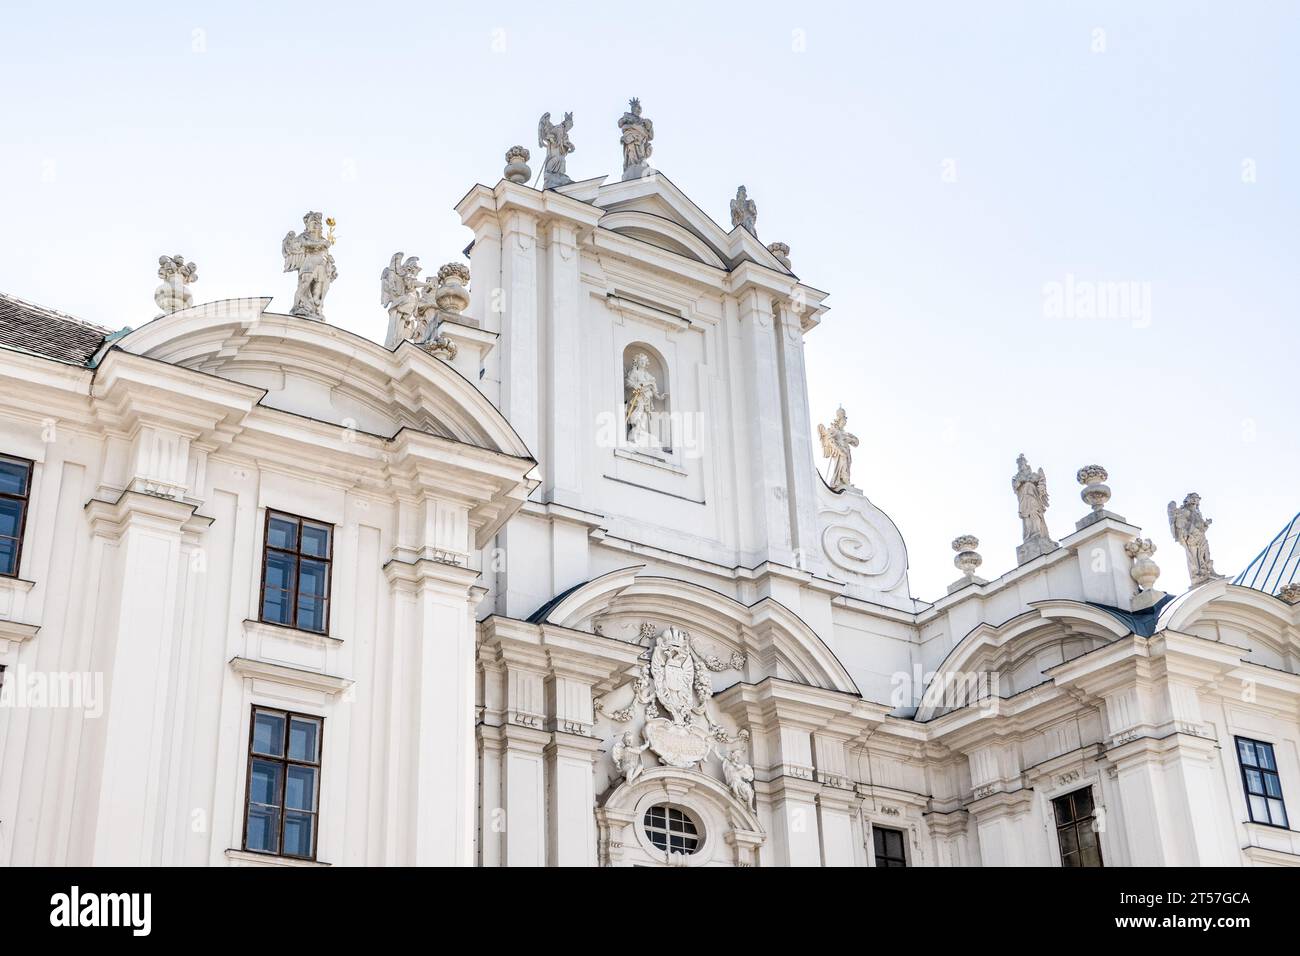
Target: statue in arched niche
point(642, 392)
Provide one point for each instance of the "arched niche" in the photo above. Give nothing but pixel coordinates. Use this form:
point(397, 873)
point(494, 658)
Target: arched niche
point(647, 413)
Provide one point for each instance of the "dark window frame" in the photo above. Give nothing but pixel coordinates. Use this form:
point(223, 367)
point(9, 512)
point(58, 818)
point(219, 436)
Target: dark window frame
point(691, 834)
point(285, 762)
point(298, 556)
point(881, 855)
point(1076, 825)
point(1264, 773)
point(26, 500)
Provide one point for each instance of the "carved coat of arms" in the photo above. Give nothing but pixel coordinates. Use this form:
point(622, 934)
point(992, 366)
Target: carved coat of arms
point(672, 665)
point(675, 681)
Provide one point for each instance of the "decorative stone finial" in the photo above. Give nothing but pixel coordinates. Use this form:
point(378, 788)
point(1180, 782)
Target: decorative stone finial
point(1095, 494)
point(308, 254)
point(781, 251)
point(517, 169)
point(1188, 526)
point(1144, 572)
point(452, 296)
point(637, 132)
point(176, 273)
point(837, 445)
point(1290, 592)
point(967, 561)
point(554, 138)
point(1031, 495)
point(744, 212)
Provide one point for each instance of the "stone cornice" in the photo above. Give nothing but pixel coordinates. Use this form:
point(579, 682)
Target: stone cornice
point(550, 649)
point(506, 197)
point(291, 676)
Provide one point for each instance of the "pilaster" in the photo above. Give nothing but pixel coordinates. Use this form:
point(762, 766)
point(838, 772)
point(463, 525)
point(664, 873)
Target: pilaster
point(141, 538)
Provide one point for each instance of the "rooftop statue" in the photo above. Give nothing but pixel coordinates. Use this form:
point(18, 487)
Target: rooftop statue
point(1188, 526)
point(837, 445)
point(176, 273)
point(637, 134)
point(1031, 494)
point(554, 138)
point(308, 254)
point(744, 212)
point(400, 295)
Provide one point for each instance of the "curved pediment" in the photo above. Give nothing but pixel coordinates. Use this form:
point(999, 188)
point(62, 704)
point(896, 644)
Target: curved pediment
point(1002, 660)
point(774, 641)
point(1265, 627)
point(662, 233)
point(320, 371)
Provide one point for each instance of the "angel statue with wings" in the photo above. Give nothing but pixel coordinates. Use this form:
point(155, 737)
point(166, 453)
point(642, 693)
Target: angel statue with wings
point(1188, 526)
point(837, 445)
point(308, 254)
point(554, 138)
point(1031, 493)
point(400, 295)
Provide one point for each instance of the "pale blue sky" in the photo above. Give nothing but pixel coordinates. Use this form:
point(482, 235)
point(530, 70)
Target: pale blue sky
point(208, 129)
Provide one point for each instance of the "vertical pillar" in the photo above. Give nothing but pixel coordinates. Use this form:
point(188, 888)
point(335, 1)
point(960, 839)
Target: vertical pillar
point(445, 782)
point(520, 395)
point(143, 533)
point(765, 428)
point(800, 462)
point(571, 800)
point(565, 427)
point(835, 827)
point(1002, 822)
point(524, 786)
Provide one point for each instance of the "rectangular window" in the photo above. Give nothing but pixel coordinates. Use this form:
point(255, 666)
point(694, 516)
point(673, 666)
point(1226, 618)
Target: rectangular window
point(15, 487)
point(1263, 785)
point(890, 846)
point(1075, 829)
point(296, 558)
point(283, 783)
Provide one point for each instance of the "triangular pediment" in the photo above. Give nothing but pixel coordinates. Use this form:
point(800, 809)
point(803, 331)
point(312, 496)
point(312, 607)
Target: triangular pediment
point(654, 210)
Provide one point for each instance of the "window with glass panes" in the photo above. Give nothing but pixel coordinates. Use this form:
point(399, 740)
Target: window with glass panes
point(890, 846)
point(283, 783)
point(296, 572)
point(15, 486)
point(671, 829)
point(1263, 785)
point(1075, 829)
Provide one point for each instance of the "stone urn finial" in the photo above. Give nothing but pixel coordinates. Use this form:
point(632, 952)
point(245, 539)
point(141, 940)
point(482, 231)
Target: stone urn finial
point(1095, 493)
point(781, 252)
point(968, 559)
point(176, 274)
point(452, 296)
point(1290, 592)
point(1144, 570)
point(517, 169)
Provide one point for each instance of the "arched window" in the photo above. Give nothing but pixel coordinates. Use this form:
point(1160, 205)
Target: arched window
point(647, 425)
point(672, 829)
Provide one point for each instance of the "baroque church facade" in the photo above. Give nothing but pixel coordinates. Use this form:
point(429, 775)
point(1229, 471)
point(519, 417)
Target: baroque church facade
point(551, 578)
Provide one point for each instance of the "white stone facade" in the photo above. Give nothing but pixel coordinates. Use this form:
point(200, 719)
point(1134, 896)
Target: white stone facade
point(517, 584)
